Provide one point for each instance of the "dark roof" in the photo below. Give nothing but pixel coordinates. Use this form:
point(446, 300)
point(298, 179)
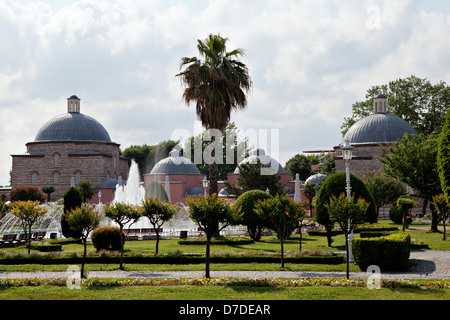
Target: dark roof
point(265, 160)
point(73, 127)
point(174, 164)
point(378, 128)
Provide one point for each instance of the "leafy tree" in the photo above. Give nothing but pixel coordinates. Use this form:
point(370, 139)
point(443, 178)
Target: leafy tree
point(300, 164)
point(27, 193)
point(405, 205)
point(146, 156)
point(82, 220)
point(416, 100)
point(443, 158)
point(28, 212)
point(250, 178)
point(443, 210)
point(122, 213)
point(48, 191)
point(72, 199)
point(282, 216)
point(347, 213)
point(209, 212)
point(217, 85)
point(4, 208)
point(86, 190)
point(244, 206)
point(228, 141)
point(328, 165)
point(383, 188)
point(157, 212)
point(412, 160)
point(334, 185)
point(310, 192)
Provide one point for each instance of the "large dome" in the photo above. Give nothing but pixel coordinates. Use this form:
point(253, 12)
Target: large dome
point(175, 164)
point(378, 128)
point(73, 126)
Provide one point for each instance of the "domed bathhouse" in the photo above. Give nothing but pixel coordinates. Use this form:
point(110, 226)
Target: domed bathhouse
point(69, 148)
point(179, 176)
point(368, 136)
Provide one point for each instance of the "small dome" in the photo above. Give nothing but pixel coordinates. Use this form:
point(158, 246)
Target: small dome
point(316, 178)
point(265, 160)
point(72, 127)
point(195, 191)
point(175, 164)
point(378, 128)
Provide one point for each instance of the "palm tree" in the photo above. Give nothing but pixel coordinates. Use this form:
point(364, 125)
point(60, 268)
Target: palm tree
point(217, 82)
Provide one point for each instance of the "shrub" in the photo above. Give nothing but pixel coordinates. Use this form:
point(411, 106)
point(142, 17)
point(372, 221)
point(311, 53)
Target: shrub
point(72, 199)
point(27, 193)
point(106, 238)
point(244, 207)
point(390, 253)
point(396, 215)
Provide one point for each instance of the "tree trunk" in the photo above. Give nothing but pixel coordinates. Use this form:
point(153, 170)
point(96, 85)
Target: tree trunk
point(434, 218)
point(213, 172)
point(84, 256)
point(300, 241)
point(282, 252)
point(329, 229)
point(208, 243)
point(157, 241)
point(121, 249)
point(28, 238)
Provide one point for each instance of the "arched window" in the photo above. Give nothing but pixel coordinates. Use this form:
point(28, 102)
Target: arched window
point(56, 160)
point(34, 178)
point(56, 178)
point(77, 177)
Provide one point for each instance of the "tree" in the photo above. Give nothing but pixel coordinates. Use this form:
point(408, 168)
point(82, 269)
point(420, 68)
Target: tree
point(157, 212)
point(443, 210)
point(217, 85)
point(86, 190)
point(250, 178)
point(412, 160)
point(72, 199)
point(300, 164)
point(233, 151)
point(383, 188)
point(28, 212)
point(334, 185)
point(443, 158)
point(244, 207)
point(347, 213)
point(27, 193)
point(416, 100)
point(209, 212)
point(48, 191)
point(122, 213)
point(282, 216)
point(310, 192)
point(155, 189)
point(4, 208)
point(83, 220)
point(405, 205)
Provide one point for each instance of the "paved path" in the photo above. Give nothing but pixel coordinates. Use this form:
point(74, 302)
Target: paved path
point(423, 265)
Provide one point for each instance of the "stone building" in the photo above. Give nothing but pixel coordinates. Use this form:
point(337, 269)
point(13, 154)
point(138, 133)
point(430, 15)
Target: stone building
point(69, 148)
point(369, 136)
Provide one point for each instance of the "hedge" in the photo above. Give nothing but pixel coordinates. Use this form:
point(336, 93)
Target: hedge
point(356, 230)
point(389, 253)
point(175, 259)
point(227, 241)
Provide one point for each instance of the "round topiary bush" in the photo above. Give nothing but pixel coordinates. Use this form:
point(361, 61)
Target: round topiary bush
point(72, 199)
point(334, 185)
point(244, 207)
point(106, 238)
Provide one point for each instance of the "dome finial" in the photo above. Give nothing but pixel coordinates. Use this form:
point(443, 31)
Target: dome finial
point(379, 104)
point(73, 104)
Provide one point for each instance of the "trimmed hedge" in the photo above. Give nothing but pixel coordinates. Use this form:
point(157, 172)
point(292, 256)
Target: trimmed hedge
point(389, 253)
point(356, 230)
point(175, 259)
point(227, 241)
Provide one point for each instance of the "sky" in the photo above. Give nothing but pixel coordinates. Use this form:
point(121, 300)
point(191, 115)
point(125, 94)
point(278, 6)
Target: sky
point(309, 62)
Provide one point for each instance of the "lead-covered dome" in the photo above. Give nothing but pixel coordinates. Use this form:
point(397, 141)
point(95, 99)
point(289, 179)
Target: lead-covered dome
point(265, 159)
point(379, 127)
point(175, 164)
point(73, 126)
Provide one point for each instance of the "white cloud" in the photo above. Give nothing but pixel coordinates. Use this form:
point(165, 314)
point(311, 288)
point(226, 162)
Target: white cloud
point(309, 61)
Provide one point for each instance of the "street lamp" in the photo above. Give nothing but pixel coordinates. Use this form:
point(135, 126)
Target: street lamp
point(347, 150)
point(205, 183)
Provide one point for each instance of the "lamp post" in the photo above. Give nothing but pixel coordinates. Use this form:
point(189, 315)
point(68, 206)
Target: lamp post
point(347, 150)
point(205, 183)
